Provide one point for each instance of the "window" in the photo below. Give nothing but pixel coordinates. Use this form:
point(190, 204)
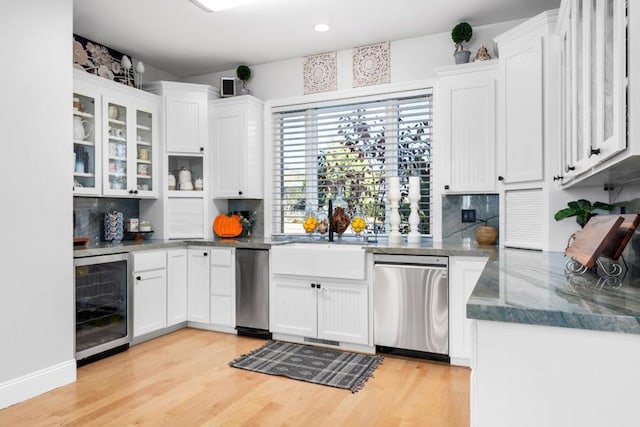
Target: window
point(348, 150)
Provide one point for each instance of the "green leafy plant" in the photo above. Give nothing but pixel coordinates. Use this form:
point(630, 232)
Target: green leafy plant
point(582, 209)
point(243, 72)
point(461, 33)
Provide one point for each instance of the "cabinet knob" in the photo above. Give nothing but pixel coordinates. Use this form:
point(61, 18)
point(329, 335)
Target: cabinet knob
point(318, 285)
point(558, 178)
point(239, 193)
point(446, 187)
point(130, 191)
point(135, 191)
point(205, 254)
point(501, 178)
point(138, 277)
point(594, 151)
point(570, 168)
point(201, 149)
point(313, 285)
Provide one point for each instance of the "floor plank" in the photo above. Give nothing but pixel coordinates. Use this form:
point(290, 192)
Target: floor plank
point(183, 379)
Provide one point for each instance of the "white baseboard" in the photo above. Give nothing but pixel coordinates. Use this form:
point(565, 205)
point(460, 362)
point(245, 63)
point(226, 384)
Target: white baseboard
point(35, 383)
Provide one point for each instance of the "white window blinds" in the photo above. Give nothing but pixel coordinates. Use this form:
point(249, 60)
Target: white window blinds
point(322, 151)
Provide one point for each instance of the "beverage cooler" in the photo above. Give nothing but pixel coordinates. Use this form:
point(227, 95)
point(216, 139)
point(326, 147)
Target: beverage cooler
point(102, 306)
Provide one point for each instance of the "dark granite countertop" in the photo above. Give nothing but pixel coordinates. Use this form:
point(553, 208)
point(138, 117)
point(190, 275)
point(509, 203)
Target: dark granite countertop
point(520, 286)
point(426, 247)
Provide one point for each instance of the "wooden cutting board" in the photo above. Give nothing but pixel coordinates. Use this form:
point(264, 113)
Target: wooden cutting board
point(589, 242)
point(618, 241)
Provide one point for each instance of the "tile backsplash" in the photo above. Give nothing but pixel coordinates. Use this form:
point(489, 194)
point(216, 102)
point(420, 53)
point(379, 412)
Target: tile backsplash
point(89, 215)
point(485, 205)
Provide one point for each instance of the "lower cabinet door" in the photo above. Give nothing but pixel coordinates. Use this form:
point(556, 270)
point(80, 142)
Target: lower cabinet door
point(343, 313)
point(149, 301)
point(198, 295)
point(176, 286)
point(464, 274)
point(293, 307)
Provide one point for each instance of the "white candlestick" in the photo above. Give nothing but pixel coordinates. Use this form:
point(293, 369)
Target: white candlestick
point(414, 217)
point(394, 198)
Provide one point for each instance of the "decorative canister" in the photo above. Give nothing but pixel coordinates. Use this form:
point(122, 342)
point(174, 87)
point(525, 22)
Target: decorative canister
point(486, 235)
point(198, 185)
point(172, 181)
point(113, 226)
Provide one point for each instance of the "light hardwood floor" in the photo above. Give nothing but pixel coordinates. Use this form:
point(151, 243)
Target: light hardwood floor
point(182, 379)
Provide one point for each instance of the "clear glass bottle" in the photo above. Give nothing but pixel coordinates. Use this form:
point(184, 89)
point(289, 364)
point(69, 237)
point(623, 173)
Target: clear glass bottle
point(340, 218)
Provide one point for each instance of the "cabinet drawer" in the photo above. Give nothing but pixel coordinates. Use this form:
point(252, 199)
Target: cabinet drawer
point(221, 257)
point(149, 260)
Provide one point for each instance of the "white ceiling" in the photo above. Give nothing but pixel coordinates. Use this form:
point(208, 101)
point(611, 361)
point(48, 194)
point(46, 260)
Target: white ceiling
point(178, 37)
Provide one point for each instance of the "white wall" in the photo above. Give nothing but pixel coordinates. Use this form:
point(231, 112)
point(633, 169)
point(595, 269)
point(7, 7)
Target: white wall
point(411, 59)
point(36, 266)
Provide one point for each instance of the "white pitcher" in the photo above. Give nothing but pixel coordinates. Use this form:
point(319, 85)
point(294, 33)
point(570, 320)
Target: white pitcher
point(81, 128)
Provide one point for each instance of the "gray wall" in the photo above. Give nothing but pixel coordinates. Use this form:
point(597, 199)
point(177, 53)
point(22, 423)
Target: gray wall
point(36, 292)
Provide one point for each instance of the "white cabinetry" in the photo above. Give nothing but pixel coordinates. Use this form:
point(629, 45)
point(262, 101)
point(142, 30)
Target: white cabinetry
point(237, 159)
point(87, 138)
point(129, 129)
point(466, 127)
point(320, 308)
point(593, 75)
point(149, 292)
point(177, 274)
point(185, 109)
point(464, 274)
point(115, 139)
point(323, 303)
point(527, 123)
point(223, 288)
point(184, 213)
point(198, 293)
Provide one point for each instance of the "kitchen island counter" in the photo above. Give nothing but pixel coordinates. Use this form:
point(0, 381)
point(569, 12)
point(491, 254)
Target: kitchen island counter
point(520, 286)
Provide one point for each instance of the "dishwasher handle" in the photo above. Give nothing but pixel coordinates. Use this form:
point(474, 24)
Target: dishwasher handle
point(408, 260)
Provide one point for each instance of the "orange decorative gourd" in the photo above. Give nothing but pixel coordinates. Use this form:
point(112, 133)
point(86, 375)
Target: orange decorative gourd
point(227, 225)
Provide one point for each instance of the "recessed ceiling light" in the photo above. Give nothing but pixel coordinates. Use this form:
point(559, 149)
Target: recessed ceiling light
point(321, 28)
point(218, 5)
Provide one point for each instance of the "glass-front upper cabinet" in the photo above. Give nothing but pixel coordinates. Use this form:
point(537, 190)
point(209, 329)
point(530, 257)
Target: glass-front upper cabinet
point(130, 129)
point(116, 173)
point(593, 42)
point(86, 138)
point(145, 121)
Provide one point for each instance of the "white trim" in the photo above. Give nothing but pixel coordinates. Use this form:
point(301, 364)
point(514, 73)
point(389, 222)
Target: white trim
point(539, 21)
point(350, 94)
point(35, 383)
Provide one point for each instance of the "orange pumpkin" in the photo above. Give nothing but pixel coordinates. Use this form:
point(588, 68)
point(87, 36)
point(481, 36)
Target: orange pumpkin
point(227, 225)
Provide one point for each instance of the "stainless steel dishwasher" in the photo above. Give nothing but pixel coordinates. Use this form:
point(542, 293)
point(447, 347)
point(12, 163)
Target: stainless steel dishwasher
point(411, 305)
point(252, 292)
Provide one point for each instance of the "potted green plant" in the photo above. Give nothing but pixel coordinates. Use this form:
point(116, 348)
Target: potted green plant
point(243, 73)
point(461, 33)
point(582, 209)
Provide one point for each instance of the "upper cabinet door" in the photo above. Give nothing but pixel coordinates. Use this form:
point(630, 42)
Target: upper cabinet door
point(522, 127)
point(186, 123)
point(117, 131)
point(593, 74)
point(87, 139)
point(466, 127)
point(237, 162)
